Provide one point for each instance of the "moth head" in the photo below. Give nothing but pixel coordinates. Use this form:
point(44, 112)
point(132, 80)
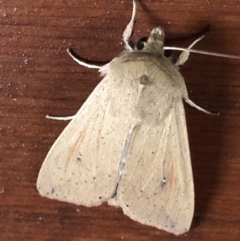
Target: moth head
point(154, 43)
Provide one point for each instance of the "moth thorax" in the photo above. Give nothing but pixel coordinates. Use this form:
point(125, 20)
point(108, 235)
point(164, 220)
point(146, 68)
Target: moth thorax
point(155, 48)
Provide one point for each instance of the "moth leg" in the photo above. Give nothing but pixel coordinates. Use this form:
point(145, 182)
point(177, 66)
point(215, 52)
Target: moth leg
point(64, 118)
point(191, 103)
point(128, 30)
point(90, 66)
point(184, 55)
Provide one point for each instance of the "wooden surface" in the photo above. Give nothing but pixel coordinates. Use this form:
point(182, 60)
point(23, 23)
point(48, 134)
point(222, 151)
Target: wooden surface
point(38, 78)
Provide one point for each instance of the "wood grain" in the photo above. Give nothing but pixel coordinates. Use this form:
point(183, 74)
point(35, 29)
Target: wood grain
point(38, 78)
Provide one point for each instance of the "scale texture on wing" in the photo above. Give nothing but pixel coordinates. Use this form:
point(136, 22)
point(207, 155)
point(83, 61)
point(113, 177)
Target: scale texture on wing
point(156, 187)
point(82, 165)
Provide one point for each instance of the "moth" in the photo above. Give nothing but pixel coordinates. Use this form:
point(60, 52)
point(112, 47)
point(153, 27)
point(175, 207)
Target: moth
point(128, 143)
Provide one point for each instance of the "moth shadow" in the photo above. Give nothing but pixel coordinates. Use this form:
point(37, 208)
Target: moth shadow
point(154, 18)
point(206, 132)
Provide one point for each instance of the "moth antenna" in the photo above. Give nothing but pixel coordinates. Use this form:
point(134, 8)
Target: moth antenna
point(203, 52)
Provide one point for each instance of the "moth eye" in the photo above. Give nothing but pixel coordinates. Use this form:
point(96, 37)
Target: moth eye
point(167, 53)
point(140, 43)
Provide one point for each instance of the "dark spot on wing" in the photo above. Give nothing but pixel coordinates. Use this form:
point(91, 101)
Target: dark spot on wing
point(163, 182)
point(79, 158)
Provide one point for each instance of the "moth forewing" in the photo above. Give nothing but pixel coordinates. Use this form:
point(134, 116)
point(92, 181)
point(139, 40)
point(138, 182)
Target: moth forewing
point(79, 167)
point(156, 186)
